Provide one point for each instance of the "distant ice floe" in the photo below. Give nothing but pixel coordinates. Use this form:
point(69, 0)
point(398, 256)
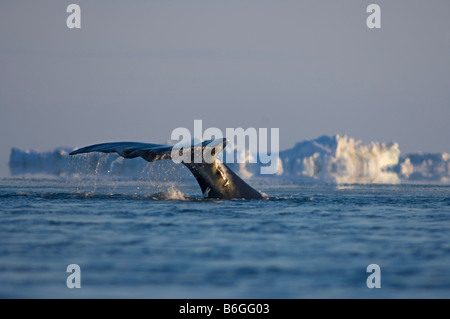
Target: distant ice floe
point(329, 159)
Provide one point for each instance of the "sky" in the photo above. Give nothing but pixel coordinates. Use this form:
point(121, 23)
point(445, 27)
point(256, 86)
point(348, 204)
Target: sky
point(136, 70)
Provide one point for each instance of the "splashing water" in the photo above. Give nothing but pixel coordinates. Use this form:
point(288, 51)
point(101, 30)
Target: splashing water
point(172, 194)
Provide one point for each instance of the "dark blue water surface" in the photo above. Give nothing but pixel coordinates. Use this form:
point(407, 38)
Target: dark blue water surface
point(135, 239)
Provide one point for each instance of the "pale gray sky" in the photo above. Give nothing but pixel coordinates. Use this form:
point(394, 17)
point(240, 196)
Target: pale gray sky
point(138, 69)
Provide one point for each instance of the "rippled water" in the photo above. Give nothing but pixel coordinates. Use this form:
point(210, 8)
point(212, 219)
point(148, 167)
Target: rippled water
point(146, 240)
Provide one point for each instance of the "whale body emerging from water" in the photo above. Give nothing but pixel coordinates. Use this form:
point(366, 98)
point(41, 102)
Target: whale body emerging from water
point(216, 180)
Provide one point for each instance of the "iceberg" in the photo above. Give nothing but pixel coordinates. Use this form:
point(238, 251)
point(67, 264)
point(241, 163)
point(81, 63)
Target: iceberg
point(341, 159)
point(425, 167)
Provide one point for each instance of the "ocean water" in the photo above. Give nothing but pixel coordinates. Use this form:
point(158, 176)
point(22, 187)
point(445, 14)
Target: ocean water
point(142, 239)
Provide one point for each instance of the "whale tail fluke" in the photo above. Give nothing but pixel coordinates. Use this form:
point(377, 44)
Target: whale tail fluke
point(216, 180)
point(149, 152)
